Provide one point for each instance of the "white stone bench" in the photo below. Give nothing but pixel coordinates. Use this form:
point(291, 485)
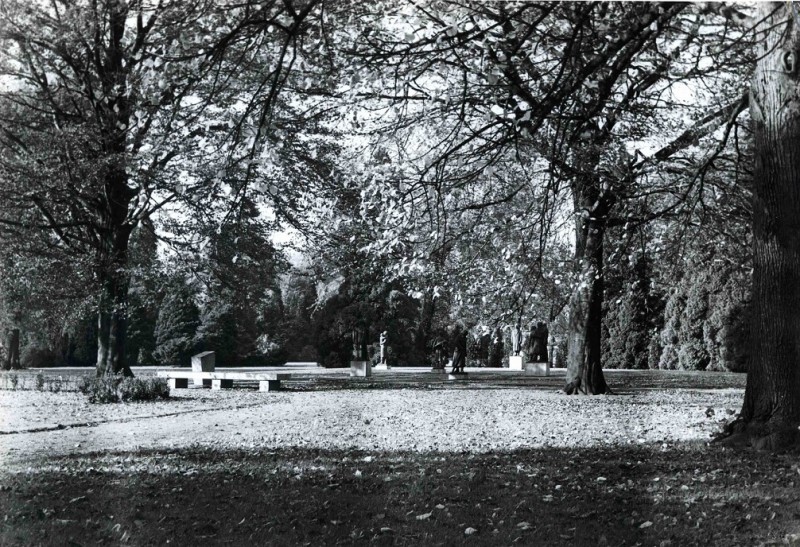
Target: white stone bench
point(267, 381)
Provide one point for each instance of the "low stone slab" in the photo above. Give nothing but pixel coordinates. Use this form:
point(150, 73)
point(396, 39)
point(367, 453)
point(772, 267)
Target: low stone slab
point(457, 376)
point(179, 379)
point(382, 366)
point(537, 369)
point(361, 369)
point(515, 362)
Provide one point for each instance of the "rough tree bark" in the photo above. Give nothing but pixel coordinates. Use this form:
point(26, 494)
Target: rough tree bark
point(112, 316)
point(771, 412)
point(584, 363)
point(115, 227)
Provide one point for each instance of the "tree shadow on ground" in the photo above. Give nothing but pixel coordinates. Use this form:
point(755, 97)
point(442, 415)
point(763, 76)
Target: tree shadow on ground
point(645, 495)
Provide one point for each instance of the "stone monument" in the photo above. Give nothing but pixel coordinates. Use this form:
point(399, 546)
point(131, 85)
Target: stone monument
point(203, 362)
point(360, 365)
point(538, 365)
point(516, 359)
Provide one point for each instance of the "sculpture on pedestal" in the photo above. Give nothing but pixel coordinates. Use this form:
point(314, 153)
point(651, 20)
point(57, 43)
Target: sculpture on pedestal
point(516, 339)
point(360, 342)
point(459, 350)
point(384, 349)
point(537, 342)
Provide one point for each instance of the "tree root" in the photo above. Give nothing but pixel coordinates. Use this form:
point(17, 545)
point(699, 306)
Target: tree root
point(760, 435)
point(576, 388)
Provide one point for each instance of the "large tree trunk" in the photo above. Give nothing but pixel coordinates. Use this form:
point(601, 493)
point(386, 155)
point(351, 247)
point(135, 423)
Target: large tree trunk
point(112, 316)
point(584, 362)
point(115, 227)
point(771, 412)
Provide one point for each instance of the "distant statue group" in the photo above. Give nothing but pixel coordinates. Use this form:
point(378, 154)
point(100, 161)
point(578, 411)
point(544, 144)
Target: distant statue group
point(453, 344)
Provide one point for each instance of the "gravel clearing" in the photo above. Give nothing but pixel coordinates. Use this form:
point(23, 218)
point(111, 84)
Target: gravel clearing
point(495, 413)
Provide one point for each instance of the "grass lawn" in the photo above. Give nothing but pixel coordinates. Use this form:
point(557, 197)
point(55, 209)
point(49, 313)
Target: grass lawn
point(609, 493)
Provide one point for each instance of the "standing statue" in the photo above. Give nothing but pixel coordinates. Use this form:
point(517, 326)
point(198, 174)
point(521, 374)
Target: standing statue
point(537, 342)
point(384, 350)
point(439, 350)
point(459, 350)
point(360, 352)
point(496, 349)
point(516, 339)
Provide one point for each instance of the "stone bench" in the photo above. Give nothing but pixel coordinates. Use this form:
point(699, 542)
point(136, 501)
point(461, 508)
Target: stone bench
point(267, 381)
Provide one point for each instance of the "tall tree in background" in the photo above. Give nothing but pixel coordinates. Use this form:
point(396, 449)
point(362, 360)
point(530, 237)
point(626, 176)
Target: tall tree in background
point(571, 85)
point(241, 276)
point(103, 121)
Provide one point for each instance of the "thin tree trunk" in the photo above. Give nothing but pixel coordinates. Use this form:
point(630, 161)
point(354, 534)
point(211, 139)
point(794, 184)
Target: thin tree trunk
point(12, 347)
point(424, 329)
point(771, 412)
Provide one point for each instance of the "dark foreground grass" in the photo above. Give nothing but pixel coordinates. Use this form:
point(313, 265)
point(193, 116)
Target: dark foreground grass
point(648, 495)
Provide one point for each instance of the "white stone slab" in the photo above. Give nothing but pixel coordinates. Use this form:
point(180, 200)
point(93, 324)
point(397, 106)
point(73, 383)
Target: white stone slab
point(361, 368)
point(515, 362)
point(537, 369)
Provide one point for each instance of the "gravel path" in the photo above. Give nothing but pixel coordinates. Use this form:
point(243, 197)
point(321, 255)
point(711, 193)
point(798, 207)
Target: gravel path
point(35, 425)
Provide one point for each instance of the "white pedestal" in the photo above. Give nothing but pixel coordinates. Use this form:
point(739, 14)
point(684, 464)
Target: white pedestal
point(382, 366)
point(515, 362)
point(537, 369)
point(360, 368)
point(457, 376)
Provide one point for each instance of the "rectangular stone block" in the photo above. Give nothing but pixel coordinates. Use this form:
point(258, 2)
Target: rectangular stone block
point(269, 385)
point(178, 383)
point(203, 362)
point(360, 368)
point(221, 384)
point(537, 369)
point(383, 366)
point(457, 376)
point(515, 362)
